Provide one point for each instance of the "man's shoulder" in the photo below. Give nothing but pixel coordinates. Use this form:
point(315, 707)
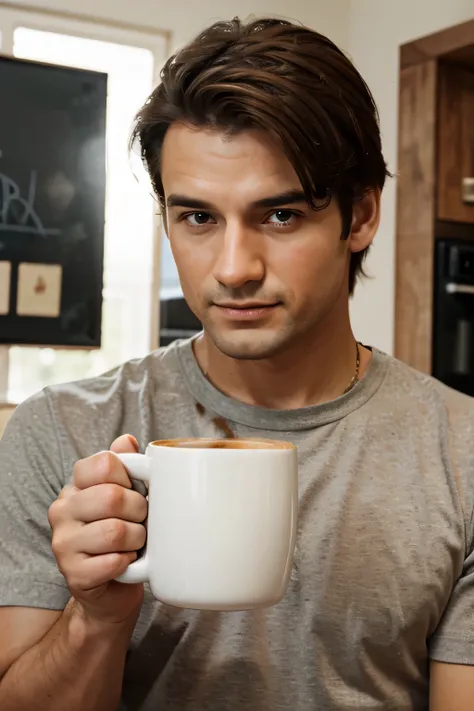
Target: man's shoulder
point(127, 379)
point(413, 388)
point(87, 415)
point(96, 409)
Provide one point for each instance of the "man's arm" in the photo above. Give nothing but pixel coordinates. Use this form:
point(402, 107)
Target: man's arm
point(56, 661)
point(451, 687)
point(22, 628)
point(74, 659)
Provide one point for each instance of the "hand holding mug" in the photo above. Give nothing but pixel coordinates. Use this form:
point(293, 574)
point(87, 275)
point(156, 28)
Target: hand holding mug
point(221, 525)
point(97, 525)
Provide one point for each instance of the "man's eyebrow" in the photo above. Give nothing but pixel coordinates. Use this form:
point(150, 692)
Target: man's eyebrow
point(174, 200)
point(290, 197)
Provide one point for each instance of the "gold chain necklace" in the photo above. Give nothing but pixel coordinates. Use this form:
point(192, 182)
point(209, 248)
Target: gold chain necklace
point(355, 378)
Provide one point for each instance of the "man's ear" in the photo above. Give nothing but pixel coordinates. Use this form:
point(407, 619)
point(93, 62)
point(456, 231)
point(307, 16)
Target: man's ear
point(365, 221)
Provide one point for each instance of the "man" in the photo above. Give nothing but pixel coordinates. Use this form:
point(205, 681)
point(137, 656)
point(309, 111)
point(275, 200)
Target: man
point(263, 146)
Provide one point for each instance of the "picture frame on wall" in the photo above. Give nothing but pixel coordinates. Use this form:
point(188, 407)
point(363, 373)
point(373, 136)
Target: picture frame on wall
point(52, 204)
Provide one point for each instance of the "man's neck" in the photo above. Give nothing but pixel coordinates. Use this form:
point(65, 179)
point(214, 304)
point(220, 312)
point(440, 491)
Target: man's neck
point(314, 370)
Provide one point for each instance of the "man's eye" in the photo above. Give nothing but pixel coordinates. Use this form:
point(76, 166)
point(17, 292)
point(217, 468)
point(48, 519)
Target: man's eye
point(282, 218)
point(197, 219)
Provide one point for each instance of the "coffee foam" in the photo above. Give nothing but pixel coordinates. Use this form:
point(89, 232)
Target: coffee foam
point(234, 443)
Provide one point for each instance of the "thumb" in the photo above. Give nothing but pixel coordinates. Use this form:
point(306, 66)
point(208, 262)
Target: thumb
point(124, 445)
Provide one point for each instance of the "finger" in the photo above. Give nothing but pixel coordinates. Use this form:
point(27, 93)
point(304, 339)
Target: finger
point(128, 444)
point(66, 492)
point(124, 445)
point(101, 468)
point(105, 501)
point(98, 570)
point(110, 536)
point(59, 509)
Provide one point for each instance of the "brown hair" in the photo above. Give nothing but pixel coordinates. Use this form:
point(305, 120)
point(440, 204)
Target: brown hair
point(289, 81)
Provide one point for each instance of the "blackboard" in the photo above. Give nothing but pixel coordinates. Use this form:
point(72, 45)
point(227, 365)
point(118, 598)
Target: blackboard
point(52, 203)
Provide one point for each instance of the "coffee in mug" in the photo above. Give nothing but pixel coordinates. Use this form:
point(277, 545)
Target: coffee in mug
point(221, 521)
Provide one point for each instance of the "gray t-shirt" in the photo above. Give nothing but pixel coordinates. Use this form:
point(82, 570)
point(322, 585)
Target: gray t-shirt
point(383, 576)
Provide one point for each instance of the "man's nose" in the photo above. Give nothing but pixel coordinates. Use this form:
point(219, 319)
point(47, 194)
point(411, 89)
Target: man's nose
point(240, 258)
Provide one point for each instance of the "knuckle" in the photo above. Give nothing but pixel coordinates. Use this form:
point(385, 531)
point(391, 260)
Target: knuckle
point(59, 545)
point(53, 513)
point(74, 581)
point(66, 492)
point(113, 499)
point(105, 465)
point(115, 532)
point(56, 511)
point(78, 471)
point(75, 574)
point(93, 470)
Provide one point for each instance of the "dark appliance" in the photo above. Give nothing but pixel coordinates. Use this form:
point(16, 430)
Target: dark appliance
point(176, 321)
point(453, 323)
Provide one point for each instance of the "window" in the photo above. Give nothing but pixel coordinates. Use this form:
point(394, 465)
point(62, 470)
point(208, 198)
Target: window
point(170, 287)
point(129, 236)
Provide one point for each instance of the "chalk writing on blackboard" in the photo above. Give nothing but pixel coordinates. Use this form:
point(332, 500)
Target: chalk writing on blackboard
point(17, 213)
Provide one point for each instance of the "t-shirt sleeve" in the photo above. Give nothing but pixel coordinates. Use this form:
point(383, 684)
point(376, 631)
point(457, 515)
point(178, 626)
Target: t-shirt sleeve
point(453, 641)
point(31, 477)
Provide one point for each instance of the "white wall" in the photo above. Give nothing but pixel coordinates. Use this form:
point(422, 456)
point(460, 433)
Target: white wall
point(184, 18)
point(376, 29)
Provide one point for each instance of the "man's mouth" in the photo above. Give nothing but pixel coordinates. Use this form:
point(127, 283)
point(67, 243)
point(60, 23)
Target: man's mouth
point(246, 311)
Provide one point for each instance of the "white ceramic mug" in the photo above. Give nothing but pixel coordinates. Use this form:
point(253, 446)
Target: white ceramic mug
point(221, 522)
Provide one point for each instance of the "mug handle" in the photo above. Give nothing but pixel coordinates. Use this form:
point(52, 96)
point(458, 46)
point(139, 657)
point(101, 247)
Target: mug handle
point(138, 467)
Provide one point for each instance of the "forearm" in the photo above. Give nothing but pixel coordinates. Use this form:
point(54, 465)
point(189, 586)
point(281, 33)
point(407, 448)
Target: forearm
point(77, 665)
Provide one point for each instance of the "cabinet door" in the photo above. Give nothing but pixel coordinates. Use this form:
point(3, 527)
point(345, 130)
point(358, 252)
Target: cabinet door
point(455, 141)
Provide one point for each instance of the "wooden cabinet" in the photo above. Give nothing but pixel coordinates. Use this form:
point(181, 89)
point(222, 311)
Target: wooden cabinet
point(455, 141)
point(436, 151)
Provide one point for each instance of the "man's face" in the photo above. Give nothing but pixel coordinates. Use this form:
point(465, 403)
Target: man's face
point(258, 267)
